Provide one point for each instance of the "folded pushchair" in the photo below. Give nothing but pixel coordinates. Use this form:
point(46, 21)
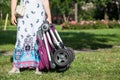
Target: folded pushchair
point(53, 53)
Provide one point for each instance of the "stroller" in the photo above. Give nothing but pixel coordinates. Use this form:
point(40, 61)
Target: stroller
point(53, 53)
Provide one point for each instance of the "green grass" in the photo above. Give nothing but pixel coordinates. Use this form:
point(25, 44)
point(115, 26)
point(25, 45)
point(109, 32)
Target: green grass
point(8, 38)
point(91, 39)
point(103, 64)
point(77, 39)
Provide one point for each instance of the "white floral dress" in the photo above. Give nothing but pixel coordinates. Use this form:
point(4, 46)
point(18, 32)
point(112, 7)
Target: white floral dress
point(26, 47)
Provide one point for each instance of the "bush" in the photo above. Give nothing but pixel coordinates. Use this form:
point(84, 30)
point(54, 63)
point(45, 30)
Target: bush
point(91, 25)
point(100, 25)
point(74, 25)
point(114, 24)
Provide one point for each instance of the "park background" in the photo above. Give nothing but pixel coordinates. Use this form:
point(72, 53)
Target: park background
point(90, 27)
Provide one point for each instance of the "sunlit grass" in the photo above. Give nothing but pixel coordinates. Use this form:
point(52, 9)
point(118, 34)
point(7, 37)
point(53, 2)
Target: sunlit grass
point(103, 64)
point(6, 47)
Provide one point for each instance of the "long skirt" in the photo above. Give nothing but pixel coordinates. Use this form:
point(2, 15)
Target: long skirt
point(26, 47)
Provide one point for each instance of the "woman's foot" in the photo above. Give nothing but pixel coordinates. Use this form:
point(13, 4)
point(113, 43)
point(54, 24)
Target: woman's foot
point(14, 70)
point(38, 72)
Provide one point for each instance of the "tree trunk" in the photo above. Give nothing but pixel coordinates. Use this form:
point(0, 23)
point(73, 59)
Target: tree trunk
point(65, 18)
point(76, 12)
point(0, 19)
point(118, 6)
point(106, 15)
point(6, 20)
point(1, 15)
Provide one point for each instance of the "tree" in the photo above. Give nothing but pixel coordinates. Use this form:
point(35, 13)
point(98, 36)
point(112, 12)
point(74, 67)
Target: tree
point(104, 5)
point(62, 7)
point(65, 8)
point(4, 8)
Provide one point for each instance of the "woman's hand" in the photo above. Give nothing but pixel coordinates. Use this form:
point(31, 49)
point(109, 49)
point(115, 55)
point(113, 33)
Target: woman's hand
point(13, 20)
point(49, 20)
point(13, 17)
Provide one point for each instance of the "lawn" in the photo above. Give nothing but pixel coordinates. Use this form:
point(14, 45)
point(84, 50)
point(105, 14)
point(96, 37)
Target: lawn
point(77, 39)
point(103, 64)
point(99, 58)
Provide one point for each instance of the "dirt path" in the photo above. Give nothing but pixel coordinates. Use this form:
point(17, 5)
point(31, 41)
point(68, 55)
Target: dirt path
point(6, 53)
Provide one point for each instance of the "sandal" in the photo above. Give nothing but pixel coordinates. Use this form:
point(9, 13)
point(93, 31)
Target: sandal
point(13, 71)
point(38, 72)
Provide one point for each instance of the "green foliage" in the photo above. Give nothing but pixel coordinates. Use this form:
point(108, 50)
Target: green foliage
point(100, 25)
point(5, 7)
point(77, 26)
point(113, 24)
point(61, 6)
point(103, 2)
point(66, 7)
point(87, 15)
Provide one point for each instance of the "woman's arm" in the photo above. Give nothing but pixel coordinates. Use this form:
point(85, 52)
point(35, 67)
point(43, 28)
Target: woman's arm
point(47, 9)
point(13, 6)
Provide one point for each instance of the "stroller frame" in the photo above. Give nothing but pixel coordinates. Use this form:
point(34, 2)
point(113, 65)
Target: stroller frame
point(58, 54)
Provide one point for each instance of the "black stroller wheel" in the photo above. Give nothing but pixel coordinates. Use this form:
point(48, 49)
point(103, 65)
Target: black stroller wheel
point(62, 69)
point(61, 57)
point(71, 54)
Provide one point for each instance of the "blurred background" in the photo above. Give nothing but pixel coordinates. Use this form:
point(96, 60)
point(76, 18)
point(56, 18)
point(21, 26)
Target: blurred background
point(74, 11)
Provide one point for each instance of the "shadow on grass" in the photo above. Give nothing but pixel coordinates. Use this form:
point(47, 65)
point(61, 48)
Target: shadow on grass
point(76, 40)
point(7, 37)
point(84, 40)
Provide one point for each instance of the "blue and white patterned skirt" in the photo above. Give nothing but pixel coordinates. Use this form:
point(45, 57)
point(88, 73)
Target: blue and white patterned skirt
point(26, 48)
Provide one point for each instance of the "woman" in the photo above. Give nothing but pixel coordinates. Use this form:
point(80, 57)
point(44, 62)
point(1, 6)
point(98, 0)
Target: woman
point(25, 52)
